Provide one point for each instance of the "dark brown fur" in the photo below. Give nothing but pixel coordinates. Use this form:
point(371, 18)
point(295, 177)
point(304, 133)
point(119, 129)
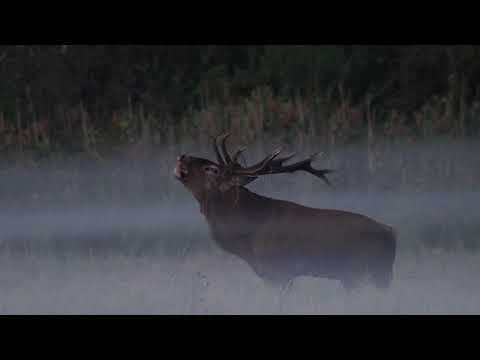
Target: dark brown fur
point(282, 240)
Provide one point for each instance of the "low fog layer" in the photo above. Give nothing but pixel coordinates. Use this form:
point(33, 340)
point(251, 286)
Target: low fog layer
point(123, 236)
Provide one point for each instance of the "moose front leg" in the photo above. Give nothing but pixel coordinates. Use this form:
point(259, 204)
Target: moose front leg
point(285, 290)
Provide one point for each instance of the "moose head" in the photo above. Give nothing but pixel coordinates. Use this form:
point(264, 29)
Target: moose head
point(204, 177)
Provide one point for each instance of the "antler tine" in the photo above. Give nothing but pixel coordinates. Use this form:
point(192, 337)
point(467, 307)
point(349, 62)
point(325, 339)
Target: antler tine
point(237, 154)
point(257, 168)
point(280, 161)
point(276, 167)
point(321, 173)
point(220, 159)
point(226, 155)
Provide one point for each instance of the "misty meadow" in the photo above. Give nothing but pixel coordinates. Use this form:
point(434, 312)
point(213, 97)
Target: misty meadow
point(93, 221)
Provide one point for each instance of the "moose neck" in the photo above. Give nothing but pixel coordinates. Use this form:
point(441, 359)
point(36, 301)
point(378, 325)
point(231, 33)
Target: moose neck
point(220, 204)
point(234, 216)
point(237, 205)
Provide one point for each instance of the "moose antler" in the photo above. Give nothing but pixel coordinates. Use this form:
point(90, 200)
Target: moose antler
point(222, 160)
point(277, 167)
point(269, 165)
point(257, 168)
point(223, 156)
point(226, 155)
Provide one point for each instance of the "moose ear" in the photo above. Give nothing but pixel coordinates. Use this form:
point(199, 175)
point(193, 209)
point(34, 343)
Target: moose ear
point(236, 181)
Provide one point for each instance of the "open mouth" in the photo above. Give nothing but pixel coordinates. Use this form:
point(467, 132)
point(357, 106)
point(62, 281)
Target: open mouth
point(180, 172)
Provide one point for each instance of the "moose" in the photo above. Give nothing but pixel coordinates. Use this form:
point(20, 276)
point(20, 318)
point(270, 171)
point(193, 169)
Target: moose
point(282, 240)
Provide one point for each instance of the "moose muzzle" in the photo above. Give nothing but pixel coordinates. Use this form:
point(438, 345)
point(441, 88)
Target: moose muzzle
point(181, 171)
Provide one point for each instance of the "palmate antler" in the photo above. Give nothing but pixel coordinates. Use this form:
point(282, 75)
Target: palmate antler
point(269, 165)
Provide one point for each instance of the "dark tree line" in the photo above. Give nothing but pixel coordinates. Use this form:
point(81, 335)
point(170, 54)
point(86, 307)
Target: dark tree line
point(107, 78)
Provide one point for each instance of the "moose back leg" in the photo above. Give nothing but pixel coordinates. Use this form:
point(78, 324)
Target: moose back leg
point(354, 274)
point(381, 272)
point(382, 264)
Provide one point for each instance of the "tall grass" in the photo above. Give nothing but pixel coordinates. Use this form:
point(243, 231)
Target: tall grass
point(126, 164)
point(296, 121)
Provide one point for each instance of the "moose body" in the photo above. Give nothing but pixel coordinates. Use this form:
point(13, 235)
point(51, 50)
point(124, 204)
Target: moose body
point(282, 240)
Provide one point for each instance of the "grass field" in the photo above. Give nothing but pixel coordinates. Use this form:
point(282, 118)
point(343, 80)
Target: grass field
point(434, 282)
point(125, 238)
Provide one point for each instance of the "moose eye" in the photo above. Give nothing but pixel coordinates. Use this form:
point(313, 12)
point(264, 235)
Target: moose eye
point(211, 170)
